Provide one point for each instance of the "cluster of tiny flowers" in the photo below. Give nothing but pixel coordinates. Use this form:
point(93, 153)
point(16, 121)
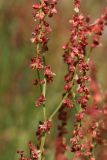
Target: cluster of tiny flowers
point(77, 82)
point(42, 10)
point(40, 100)
point(82, 95)
point(77, 5)
point(34, 153)
point(98, 27)
point(74, 57)
point(92, 127)
point(43, 128)
point(88, 134)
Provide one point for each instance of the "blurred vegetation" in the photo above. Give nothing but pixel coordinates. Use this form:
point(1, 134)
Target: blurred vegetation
point(18, 116)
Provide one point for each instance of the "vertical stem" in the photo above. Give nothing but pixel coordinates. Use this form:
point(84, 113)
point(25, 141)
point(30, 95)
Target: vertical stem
point(42, 146)
point(38, 74)
point(44, 93)
point(43, 90)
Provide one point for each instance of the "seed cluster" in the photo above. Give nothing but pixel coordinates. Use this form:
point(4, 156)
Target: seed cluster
point(82, 96)
point(42, 10)
point(77, 89)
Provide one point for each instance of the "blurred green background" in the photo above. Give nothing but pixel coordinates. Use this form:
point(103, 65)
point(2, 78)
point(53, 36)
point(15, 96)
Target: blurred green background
point(18, 116)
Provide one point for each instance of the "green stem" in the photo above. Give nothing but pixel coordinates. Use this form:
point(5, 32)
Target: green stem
point(43, 90)
point(44, 93)
point(44, 113)
point(58, 107)
point(38, 74)
point(42, 146)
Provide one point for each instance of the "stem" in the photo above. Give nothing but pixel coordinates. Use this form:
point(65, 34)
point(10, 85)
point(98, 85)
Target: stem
point(42, 146)
point(44, 113)
point(58, 107)
point(44, 93)
point(43, 90)
point(60, 104)
point(38, 74)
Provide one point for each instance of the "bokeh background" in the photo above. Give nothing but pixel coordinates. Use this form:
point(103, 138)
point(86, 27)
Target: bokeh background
point(18, 116)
